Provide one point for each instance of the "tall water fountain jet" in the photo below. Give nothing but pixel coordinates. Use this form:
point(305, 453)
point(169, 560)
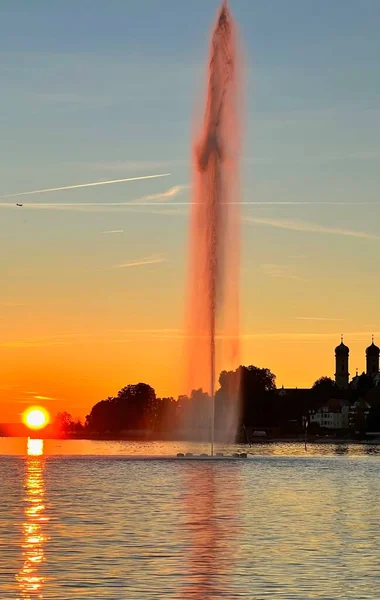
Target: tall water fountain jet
point(215, 229)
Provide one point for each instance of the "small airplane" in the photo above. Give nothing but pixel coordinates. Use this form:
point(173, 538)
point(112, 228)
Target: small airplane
point(19, 205)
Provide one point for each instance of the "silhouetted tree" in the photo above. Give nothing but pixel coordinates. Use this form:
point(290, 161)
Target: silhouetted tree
point(135, 404)
point(102, 418)
point(324, 386)
point(373, 420)
point(292, 407)
point(365, 384)
point(64, 424)
point(133, 409)
point(257, 394)
point(360, 420)
point(195, 412)
point(165, 415)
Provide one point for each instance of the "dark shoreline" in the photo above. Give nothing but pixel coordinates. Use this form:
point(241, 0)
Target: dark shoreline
point(260, 442)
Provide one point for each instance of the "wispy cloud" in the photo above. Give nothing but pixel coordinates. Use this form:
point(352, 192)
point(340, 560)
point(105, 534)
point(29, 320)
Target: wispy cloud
point(318, 319)
point(306, 203)
point(11, 304)
point(32, 343)
point(113, 231)
point(108, 336)
point(149, 260)
point(304, 226)
point(137, 165)
point(84, 185)
point(315, 159)
point(285, 337)
point(158, 200)
point(173, 335)
point(43, 340)
point(172, 192)
point(282, 271)
point(171, 209)
point(159, 331)
point(30, 397)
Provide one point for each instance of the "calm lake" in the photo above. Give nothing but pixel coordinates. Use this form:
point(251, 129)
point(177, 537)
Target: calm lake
point(80, 519)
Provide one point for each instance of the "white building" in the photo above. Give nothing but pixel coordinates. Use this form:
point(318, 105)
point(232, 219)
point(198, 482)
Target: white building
point(331, 418)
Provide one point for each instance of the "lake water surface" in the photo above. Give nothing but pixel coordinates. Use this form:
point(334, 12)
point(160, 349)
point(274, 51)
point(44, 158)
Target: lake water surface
point(80, 519)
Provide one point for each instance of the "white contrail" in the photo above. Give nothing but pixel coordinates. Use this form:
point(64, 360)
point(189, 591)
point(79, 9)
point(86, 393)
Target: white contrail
point(84, 185)
point(303, 226)
point(149, 260)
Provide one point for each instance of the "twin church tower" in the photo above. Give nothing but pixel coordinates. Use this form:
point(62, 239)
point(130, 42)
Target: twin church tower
point(342, 375)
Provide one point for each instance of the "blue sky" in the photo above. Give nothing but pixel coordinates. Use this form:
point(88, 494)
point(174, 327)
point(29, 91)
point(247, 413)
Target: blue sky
point(95, 90)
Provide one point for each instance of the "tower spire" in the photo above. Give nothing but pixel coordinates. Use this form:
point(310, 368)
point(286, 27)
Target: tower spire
point(342, 375)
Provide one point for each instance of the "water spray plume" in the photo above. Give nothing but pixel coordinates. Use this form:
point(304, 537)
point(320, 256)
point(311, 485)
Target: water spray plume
point(215, 227)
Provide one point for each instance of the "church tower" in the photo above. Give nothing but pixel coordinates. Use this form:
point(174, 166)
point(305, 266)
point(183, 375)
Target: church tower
point(372, 359)
point(342, 375)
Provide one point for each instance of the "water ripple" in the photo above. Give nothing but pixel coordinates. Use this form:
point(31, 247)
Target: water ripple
point(289, 527)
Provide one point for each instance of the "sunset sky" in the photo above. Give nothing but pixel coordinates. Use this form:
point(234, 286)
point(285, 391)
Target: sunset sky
point(93, 296)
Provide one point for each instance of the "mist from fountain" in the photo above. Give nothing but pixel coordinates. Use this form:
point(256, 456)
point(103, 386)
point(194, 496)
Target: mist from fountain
point(213, 309)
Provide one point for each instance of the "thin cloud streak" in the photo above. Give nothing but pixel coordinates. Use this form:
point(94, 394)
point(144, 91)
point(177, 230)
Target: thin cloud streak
point(311, 203)
point(134, 335)
point(318, 319)
point(113, 231)
point(281, 271)
point(310, 336)
point(153, 199)
point(85, 185)
point(160, 206)
point(136, 165)
point(304, 226)
point(149, 260)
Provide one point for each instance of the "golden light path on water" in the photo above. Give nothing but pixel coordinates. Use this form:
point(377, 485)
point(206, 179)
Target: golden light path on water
point(29, 579)
point(79, 518)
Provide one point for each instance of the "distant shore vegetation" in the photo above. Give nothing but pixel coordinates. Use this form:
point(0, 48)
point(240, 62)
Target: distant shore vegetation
point(137, 413)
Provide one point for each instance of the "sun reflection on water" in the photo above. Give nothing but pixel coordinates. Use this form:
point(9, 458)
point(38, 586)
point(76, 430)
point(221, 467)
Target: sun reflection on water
point(29, 579)
point(35, 447)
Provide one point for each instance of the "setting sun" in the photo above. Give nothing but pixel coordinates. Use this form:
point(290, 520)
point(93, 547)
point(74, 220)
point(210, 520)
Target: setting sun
point(35, 417)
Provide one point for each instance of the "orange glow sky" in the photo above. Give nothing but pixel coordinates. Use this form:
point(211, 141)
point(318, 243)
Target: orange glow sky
point(85, 311)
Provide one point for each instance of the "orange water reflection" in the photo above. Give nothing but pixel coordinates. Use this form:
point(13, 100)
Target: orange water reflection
point(29, 579)
point(211, 522)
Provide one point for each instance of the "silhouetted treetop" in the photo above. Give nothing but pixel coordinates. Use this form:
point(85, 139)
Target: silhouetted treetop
point(324, 386)
point(132, 408)
point(256, 378)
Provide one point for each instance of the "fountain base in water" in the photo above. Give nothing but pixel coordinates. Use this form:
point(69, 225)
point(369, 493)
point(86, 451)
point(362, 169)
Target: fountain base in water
point(217, 456)
point(184, 457)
